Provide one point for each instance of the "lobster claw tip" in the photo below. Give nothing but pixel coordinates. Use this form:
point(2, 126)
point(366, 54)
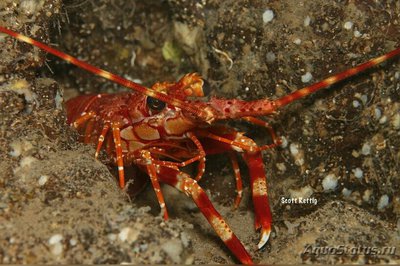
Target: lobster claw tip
point(264, 237)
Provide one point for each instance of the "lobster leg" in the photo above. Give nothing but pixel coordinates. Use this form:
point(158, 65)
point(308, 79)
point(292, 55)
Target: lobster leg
point(118, 153)
point(82, 119)
point(88, 130)
point(147, 160)
point(189, 186)
point(101, 139)
point(276, 140)
point(252, 156)
point(263, 219)
point(238, 178)
point(201, 157)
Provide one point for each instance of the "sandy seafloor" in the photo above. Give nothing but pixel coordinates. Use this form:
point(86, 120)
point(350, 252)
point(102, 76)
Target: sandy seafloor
point(59, 205)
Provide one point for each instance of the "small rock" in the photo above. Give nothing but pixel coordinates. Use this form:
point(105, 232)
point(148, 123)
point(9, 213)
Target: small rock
point(383, 202)
point(358, 172)
point(173, 248)
point(366, 149)
point(268, 15)
point(54, 239)
point(307, 21)
point(43, 180)
point(348, 25)
point(129, 235)
point(346, 192)
point(307, 77)
point(330, 182)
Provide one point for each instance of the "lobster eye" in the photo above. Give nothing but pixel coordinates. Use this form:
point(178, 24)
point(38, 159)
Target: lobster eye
point(154, 104)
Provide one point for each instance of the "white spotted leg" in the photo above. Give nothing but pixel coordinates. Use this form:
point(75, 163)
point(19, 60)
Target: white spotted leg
point(189, 186)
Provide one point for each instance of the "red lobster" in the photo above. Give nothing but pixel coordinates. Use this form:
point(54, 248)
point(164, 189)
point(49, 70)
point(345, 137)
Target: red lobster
point(161, 129)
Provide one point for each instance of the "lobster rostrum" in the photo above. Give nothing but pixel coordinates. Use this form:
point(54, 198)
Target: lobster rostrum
point(164, 128)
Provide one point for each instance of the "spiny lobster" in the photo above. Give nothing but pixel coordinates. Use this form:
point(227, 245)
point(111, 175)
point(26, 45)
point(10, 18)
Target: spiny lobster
point(162, 129)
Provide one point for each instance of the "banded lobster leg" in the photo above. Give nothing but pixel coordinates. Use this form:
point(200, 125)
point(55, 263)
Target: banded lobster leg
point(185, 183)
point(229, 140)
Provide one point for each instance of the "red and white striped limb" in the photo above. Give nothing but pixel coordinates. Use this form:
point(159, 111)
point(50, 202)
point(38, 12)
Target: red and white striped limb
point(189, 186)
point(152, 172)
point(258, 180)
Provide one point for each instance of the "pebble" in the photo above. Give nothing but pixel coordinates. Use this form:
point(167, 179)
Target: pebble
point(129, 235)
point(356, 104)
point(307, 21)
point(358, 172)
point(294, 150)
point(268, 15)
point(297, 41)
point(367, 195)
point(364, 99)
point(357, 34)
point(383, 119)
point(297, 154)
point(330, 182)
point(346, 192)
point(307, 77)
point(284, 142)
point(43, 180)
point(348, 25)
point(173, 248)
point(366, 149)
point(73, 242)
point(281, 167)
point(383, 202)
point(185, 239)
point(54, 239)
point(271, 57)
point(396, 121)
point(377, 113)
point(112, 237)
point(56, 247)
point(304, 192)
point(27, 161)
point(29, 6)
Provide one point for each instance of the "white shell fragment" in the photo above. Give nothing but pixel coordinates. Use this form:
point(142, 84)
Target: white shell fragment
point(330, 182)
point(358, 172)
point(346, 192)
point(383, 202)
point(56, 247)
point(307, 21)
point(348, 25)
point(356, 104)
point(130, 235)
point(54, 239)
point(43, 180)
point(357, 34)
point(307, 77)
point(268, 15)
point(297, 41)
point(366, 149)
point(294, 149)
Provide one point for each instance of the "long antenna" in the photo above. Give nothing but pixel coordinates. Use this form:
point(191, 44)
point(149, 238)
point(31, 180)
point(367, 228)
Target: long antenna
point(110, 76)
point(301, 93)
